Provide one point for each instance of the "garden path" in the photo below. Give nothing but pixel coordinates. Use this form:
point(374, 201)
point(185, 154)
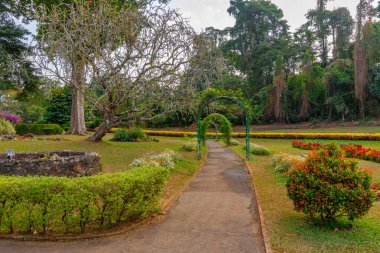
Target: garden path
point(217, 213)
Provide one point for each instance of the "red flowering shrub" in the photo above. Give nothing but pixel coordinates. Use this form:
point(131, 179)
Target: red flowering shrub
point(328, 185)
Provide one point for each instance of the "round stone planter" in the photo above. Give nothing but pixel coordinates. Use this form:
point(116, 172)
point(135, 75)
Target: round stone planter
point(57, 163)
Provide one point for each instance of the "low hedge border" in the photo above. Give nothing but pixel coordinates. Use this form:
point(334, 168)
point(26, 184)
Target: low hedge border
point(61, 205)
point(38, 129)
point(267, 135)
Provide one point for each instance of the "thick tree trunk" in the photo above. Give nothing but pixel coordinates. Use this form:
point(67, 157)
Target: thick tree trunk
point(101, 131)
point(77, 119)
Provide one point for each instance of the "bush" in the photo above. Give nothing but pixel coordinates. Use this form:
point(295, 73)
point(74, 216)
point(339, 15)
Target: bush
point(133, 135)
point(327, 185)
point(166, 159)
point(34, 114)
point(38, 129)
point(59, 205)
point(6, 127)
point(258, 150)
point(235, 143)
point(284, 162)
point(189, 147)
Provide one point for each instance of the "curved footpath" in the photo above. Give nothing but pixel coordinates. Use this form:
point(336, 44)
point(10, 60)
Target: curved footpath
point(217, 213)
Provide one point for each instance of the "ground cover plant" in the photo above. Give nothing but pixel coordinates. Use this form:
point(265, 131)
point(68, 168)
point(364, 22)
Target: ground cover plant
point(291, 231)
point(129, 135)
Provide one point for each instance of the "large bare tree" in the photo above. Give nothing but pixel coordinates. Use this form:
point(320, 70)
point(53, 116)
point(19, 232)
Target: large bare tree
point(70, 34)
point(132, 59)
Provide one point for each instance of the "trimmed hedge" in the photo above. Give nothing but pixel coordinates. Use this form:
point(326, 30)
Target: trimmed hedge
point(268, 135)
point(60, 205)
point(38, 129)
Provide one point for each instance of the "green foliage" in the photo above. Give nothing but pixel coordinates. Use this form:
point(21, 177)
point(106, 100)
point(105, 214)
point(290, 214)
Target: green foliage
point(60, 205)
point(38, 129)
point(16, 71)
point(258, 150)
point(132, 135)
point(328, 185)
point(6, 127)
point(34, 114)
point(256, 39)
point(58, 107)
point(189, 146)
point(219, 121)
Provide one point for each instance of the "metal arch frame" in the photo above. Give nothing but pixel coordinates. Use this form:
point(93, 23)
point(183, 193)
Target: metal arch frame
point(247, 124)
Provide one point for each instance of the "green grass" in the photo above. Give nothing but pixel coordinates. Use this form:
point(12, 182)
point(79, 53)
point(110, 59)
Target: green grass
point(291, 231)
point(115, 156)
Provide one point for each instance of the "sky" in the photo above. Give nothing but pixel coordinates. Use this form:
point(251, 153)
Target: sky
point(206, 13)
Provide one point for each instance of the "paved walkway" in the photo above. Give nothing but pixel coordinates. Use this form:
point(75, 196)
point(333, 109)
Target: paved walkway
point(217, 213)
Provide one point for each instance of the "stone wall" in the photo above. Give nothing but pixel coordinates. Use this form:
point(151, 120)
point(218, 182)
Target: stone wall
point(57, 163)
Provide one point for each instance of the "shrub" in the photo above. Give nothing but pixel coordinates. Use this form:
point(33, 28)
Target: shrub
point(283, 162)
point(6, 127)
point(235, 143)
point(328, 185)
point(10, 117)
point(166, 159)
point(133, 135)
point(258, 150)
point(34, 114)
point(38, 129)
point(58, 204)
point(189, 147)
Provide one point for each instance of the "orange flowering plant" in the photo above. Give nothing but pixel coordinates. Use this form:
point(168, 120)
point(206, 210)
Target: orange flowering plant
point(328, 186)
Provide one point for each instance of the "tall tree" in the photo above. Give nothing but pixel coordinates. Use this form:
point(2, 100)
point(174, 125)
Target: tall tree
point(319, 20)
point(256, 40)
point(75, 60)
point(16, 71)
point(342, 25)
point(364, 11)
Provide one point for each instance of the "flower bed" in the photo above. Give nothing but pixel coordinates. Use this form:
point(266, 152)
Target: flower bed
point(351, 150)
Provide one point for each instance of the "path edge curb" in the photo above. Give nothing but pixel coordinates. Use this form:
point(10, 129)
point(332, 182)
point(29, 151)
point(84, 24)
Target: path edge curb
point(134, 225)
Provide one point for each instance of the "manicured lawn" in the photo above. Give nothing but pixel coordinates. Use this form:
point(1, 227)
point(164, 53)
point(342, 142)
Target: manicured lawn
point(290, 231)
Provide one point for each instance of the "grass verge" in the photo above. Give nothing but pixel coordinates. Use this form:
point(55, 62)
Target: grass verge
point(290, 231)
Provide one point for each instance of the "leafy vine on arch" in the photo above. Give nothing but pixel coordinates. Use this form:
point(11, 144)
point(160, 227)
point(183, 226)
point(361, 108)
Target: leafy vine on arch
point(216, 119)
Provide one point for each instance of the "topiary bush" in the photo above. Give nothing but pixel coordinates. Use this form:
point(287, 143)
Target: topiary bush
point(6, 127)
point(38, 129)
point(59, 205)
point(132, 135)
point(328, 185)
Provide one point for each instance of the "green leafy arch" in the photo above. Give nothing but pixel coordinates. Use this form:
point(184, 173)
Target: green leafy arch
point(216, 120)
point(247, 122)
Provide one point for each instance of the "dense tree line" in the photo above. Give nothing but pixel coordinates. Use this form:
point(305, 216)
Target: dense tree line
point(328, 69)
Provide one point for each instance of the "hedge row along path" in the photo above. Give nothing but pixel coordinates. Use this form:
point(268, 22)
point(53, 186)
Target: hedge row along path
point(217, 213)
